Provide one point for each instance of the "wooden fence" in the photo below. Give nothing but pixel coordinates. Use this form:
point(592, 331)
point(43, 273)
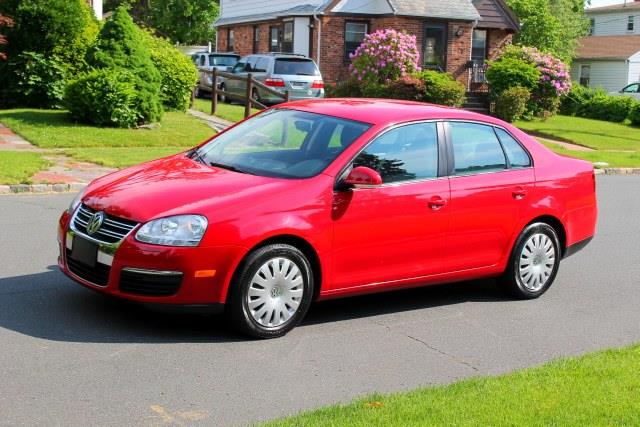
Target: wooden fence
point(248, 99)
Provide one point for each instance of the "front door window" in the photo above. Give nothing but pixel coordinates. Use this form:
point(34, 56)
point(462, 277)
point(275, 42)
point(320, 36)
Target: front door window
point(585, 74)
point(434, 47)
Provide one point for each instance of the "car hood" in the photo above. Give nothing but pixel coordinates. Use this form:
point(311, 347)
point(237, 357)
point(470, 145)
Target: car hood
point(173, 186)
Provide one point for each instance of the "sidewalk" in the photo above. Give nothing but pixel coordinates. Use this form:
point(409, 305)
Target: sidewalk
point(64, 174)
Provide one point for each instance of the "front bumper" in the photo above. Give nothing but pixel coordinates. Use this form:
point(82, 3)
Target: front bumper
point(150, 273)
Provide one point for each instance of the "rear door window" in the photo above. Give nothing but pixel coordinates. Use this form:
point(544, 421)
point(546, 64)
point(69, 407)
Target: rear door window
point(295, 67)
point(518, 157)
point(476, 149)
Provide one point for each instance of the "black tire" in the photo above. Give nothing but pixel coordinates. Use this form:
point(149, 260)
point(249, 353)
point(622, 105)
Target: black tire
point(237, 307)
point(224, 98)
point(512, 280)
point(198, 93)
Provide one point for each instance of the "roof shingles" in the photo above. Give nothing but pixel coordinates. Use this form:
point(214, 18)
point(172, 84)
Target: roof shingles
point(608, 47)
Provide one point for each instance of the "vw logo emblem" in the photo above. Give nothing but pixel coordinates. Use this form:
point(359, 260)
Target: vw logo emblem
point(95, 222)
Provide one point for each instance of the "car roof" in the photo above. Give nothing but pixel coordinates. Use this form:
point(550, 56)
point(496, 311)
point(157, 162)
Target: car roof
point(384, 111)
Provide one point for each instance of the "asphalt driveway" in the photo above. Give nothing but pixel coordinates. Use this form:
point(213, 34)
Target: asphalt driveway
point(69, 356)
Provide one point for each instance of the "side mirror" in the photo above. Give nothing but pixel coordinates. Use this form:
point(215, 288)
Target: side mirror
point(363, 176)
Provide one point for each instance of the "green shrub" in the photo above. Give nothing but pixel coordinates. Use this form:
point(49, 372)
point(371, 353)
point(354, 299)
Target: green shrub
point(177, 72)
point(47, 42)
point(606, 107)
point(511, 104)
point(350, 88)
point(35, 81)
point(510, 72)
point(121, 46)
point(576, 97)
point(634, 114)
point(442, 88)
point(410, 88)
point(106, 97)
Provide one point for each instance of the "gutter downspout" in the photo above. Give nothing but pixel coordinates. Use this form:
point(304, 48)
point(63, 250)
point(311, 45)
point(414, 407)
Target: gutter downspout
point(319, 33)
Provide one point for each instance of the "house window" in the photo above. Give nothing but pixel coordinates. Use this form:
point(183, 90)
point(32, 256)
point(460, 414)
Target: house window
point(230, 40)
point(274, 39)
point(585, 74)
point(630, 23)
point(479, 46)
point(354, 33)
point(592, 26)
point(256, 38)
point(434, 46)
point(287, 37)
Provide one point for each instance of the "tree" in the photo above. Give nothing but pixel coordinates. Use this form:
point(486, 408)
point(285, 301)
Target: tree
point(47, 42)
point(6, 22)
point(552, 26)
point(120, 49)
point(185, 21)
point(181, 21)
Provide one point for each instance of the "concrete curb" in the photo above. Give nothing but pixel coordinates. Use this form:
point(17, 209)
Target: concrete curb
point(618, 171)
point(41, 188)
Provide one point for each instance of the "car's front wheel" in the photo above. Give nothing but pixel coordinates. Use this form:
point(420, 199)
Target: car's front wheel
point(271, 292)
point(534, 262)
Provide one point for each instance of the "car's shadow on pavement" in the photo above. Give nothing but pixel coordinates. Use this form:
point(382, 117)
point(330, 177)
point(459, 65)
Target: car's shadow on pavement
point(50, 306)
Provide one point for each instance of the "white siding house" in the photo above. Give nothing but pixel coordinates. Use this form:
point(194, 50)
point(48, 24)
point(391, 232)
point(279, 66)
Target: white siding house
point(609, 57)
point(616, 20)
point(607, 62)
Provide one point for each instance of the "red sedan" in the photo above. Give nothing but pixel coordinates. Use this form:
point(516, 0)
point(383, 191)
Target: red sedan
point(330, 198)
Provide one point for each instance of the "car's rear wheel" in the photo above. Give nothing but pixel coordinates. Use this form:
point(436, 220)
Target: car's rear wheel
point(271, 292)
point(534, 262)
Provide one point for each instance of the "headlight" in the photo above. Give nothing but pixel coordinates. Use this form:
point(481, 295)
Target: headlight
point(181, 230)
point(76, 201)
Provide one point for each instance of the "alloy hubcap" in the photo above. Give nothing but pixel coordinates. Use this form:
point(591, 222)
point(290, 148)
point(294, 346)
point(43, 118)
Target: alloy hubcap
point(537, 260)
point(275, 292)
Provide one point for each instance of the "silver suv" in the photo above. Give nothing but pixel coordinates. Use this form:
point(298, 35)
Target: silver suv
point(207, 61)
point(297, 74)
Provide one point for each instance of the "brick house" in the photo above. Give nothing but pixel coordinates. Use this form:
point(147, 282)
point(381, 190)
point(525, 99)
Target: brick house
point(456, 36)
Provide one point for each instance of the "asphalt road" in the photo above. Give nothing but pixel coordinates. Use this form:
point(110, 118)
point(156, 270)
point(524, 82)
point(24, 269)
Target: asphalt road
point(69, 356)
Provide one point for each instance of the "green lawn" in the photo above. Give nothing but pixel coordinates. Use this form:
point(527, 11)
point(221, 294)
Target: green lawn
point(600, 389)
point(232, 112)
point(614, 159)
point(596, 134)
point(18, 167)
point(54, 129)
point(617, 144)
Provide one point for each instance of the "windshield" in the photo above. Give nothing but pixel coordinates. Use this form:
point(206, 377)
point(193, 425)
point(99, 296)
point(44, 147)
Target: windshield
point(223, 60)
point(282, 143)
point(296, 67)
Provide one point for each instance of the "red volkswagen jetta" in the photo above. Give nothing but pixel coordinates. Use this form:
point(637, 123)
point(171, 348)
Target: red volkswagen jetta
point(329, 198)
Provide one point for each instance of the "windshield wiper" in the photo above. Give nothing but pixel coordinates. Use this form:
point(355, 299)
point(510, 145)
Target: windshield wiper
point(304, 74)
point(225, 166)
point(195, 154)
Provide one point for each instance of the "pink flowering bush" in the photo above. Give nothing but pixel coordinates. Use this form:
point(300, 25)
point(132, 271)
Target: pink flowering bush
point(385, 56)
point(554, 81)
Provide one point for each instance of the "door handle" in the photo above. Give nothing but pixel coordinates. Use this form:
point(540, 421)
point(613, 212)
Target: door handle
point(519, 193)
point(437, 202)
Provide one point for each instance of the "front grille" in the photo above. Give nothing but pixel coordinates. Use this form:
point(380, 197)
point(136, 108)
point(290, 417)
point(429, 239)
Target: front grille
point(112, 230)
point(147, 284)
point(98, 275)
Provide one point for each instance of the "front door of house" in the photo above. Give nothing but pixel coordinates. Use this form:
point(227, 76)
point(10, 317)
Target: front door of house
point(478, 59)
